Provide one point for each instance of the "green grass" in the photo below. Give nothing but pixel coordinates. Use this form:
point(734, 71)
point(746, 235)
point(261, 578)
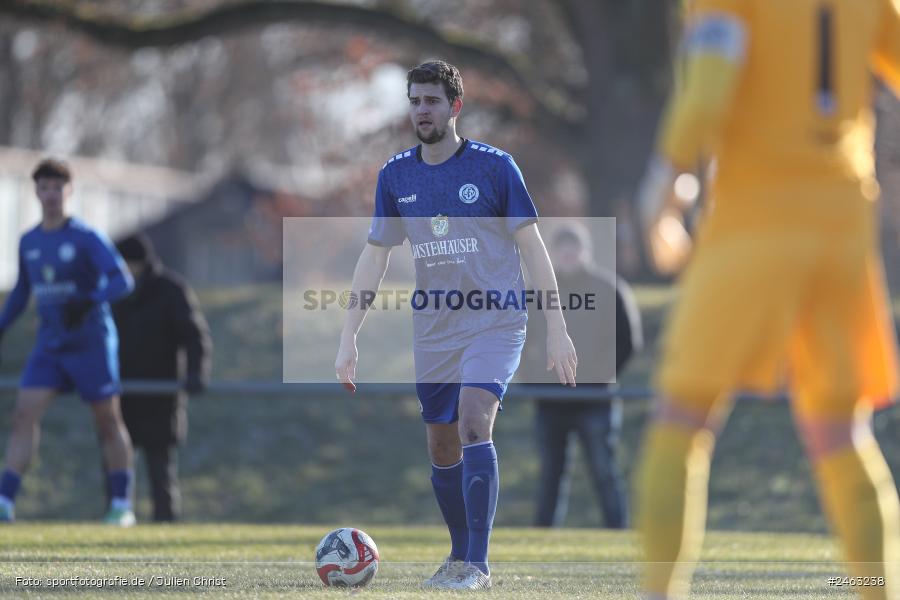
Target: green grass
point(317, 459)
point(274, 561)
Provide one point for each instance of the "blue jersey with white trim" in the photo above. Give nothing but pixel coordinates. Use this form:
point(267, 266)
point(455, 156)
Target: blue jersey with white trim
point(71, 262)
point(460, 217)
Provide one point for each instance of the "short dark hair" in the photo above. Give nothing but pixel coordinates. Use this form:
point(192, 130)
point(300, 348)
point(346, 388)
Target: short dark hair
point(52, 168)
point(435, 71)
point(136, 248)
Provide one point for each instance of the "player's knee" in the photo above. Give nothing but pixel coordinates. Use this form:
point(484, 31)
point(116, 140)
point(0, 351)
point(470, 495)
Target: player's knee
point(474, 426)
point(695, 398)
point(822, 438)
point(475, 422)
point(709, 415)
point(445, 457)
point(473, 433)
point(107, 424)
point(444, 452)
point(832, 424)
point(29, 408)
point(25, 417)
point(444, 447)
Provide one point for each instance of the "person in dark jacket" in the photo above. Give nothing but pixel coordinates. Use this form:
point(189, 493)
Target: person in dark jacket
point(596, 422)
point(162, 335)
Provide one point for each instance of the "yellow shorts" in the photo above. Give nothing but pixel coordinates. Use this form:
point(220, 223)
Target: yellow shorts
point(764, 305)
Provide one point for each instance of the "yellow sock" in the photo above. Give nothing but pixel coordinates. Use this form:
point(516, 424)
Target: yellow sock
point(672, 486)
point(860, 501)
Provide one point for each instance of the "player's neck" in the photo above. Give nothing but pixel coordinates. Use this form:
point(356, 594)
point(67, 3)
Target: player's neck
point(435, 154)
point(53, 222)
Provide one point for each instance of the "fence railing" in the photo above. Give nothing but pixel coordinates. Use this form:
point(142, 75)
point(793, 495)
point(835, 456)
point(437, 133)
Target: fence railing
point(277, 388)
point(264, 388)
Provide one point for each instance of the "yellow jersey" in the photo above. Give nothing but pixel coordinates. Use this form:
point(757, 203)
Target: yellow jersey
point(785, 268)
point(781, 91)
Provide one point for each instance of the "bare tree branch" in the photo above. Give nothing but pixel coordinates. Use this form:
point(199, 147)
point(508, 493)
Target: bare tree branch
point(132, 32)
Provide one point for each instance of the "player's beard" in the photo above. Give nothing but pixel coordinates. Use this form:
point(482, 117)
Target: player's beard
point(436, 135)
point(53, 208)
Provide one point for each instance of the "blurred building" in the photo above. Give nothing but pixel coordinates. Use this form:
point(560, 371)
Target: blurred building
point(230, 235)
point(115, 197)
point(216, 230)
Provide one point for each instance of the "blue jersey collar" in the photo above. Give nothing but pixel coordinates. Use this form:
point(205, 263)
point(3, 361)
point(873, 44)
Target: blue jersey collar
point(459, 151)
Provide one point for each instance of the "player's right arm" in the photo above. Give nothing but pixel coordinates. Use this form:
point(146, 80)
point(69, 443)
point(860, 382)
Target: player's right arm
point(886, 57)
point(18, 298)
point(712, 54)
point(386, 232)
point(713, 50)
point(370, 270)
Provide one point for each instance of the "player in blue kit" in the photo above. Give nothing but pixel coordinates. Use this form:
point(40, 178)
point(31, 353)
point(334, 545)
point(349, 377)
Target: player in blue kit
point(74, 273)
point(464, 207)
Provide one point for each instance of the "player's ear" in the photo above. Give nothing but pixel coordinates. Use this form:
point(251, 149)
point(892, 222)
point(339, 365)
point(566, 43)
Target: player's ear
point(456, 107)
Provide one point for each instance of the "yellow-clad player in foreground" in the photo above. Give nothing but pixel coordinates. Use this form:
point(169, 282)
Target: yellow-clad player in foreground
point(785, 278)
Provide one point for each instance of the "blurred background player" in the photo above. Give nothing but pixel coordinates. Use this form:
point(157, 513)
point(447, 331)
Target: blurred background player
point(597, 422)
point(464, 360)
point(163, 335)
point(74, 272)
point(793, 210)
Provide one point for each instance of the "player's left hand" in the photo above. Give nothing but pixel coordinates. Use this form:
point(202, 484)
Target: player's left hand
point(667, 241)
point(561, 356)
point(75, 310)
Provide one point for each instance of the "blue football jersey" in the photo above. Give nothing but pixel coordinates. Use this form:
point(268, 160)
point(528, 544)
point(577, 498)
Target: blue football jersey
point(460, 217)
point(71, 262)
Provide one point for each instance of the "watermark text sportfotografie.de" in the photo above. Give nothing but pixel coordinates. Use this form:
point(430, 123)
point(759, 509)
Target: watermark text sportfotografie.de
point(396, 299)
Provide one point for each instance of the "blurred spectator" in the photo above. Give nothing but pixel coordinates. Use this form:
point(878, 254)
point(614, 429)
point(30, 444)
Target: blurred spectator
point(596, 422)
point(162, 335)
point(628, 243)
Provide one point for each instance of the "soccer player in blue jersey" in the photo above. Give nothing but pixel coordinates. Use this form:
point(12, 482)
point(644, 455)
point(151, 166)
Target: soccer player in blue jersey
point(73, 272)
point(469, 218)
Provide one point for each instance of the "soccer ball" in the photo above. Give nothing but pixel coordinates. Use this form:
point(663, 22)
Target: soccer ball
point(346, 557)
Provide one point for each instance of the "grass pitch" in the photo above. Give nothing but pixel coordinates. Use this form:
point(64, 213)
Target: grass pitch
point(252, 561)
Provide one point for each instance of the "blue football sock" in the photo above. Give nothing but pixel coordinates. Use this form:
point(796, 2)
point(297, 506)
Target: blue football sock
point(481, 484)
point(120, 485)
point(447, 484)
point(9, 485)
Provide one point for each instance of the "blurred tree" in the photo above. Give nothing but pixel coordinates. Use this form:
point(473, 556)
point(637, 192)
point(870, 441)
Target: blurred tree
point(587, 76)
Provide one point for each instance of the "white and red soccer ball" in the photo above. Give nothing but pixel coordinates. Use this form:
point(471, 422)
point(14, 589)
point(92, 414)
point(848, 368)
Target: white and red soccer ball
point(346, 557)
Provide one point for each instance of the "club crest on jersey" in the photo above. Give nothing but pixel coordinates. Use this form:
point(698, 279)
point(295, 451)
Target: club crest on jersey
point(440, 225)
point(49, 273)
point(66, 252)
point(468, 193)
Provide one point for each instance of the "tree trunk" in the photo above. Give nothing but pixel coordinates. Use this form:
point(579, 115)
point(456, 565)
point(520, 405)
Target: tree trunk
point(9, 90)
point(621, 98)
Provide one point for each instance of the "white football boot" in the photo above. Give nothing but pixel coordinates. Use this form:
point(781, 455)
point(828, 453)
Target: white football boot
point(467, 577)
point(446, 570)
